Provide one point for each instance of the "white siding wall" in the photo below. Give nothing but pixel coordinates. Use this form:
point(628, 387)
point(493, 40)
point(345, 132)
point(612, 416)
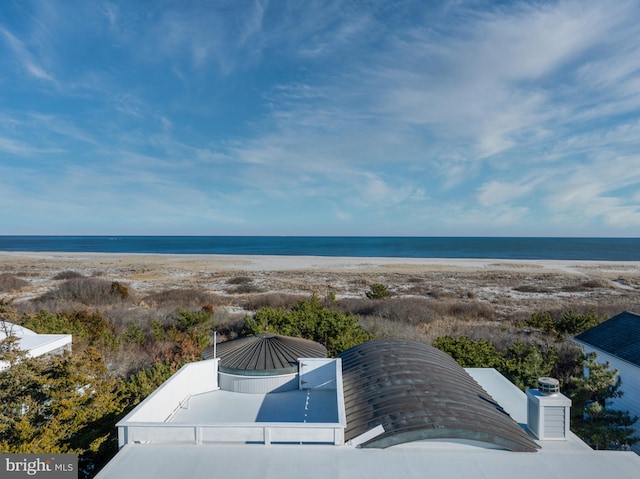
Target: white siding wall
point(630, 376)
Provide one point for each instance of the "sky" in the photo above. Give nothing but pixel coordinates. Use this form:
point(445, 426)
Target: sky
point(332, 117)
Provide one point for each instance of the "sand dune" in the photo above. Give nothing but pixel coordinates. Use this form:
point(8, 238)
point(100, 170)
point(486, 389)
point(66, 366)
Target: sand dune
point(493, 280)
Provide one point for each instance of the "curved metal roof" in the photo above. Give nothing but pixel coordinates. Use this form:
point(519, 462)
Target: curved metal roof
point(418, 392)
point(264, 354)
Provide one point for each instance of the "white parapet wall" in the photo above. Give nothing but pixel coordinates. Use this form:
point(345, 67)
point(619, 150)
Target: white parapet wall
point(153, 422)
point(192, 378)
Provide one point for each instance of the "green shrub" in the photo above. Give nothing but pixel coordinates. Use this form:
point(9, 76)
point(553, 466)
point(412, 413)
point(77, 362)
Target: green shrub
point(568, 324)
point(310, 319)
point(187, 320)
point(522, 363)
point(134, 334)
point(144, 382)
point(378, 291)
point(44, 322)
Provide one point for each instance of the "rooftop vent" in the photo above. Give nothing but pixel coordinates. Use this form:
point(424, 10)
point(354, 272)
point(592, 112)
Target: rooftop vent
point(548, 411)
point(548, 385)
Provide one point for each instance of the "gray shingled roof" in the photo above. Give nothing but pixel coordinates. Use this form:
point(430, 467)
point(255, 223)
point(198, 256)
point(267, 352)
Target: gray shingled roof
point(618, 336)
point(264, 354)
point(417, 392)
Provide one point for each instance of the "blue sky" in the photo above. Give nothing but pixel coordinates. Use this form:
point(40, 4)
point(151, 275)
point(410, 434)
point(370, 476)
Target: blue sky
point(309, 117)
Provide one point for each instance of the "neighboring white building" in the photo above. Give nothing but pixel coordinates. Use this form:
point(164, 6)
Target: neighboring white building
point(617, 341)
point(387, 408)
point(34, 344)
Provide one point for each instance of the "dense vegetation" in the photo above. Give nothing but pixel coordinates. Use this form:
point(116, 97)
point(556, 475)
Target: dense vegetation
point(310, 319)
point(126, 344)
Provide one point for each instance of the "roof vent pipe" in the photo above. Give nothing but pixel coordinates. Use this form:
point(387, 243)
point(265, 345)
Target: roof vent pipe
point(548, 385)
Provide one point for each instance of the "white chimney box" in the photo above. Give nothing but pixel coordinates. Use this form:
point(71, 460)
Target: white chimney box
point(548, 411)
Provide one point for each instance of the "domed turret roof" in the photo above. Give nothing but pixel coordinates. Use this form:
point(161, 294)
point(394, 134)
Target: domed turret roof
point(264, 354)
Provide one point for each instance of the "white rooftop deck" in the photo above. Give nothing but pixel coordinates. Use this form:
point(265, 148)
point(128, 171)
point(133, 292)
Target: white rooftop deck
point(190, 408)
point(220, 407)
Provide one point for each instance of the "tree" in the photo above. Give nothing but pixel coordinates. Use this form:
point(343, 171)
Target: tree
point(378, 291)
point(89, 327)
point(188, 320)
point(10, 353)
point(525, 363)
point(8, 311)
point(571, 323)
point(592, 415)
point(568, 324)
point(44, 322)
point(522, 363)
point(471, 354)
point(310, 319)
point(139, 385)
point(62, 404)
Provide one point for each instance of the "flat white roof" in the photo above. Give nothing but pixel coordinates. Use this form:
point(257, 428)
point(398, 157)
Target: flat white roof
point(503, 391)
point(219, 407)
point(34, 344)
point(433, 459)
point(329, 462)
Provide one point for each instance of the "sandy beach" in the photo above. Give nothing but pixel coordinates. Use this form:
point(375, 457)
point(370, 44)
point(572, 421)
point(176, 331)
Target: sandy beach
point(219, 262)
point(495, 281)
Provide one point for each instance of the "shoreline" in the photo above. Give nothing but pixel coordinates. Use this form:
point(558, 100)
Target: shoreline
point(236, 262)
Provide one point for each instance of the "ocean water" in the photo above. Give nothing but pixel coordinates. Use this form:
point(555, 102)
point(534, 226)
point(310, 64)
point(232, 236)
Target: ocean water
point(597, 249)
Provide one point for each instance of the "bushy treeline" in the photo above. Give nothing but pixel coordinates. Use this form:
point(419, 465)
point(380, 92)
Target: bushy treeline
point(522, 363)
point(310, 319)
point(568, 323)
point(71, 402)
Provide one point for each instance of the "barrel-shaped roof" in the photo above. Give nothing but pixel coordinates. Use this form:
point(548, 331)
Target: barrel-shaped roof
point(417, 392)
point(264, 354)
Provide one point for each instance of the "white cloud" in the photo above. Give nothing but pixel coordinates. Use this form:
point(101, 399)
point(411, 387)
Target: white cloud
point(374, 190)
point(9, 145)
point(588, 192)
point(500, 192)
point(468, 114)
point(24, 57)
point(474, 82)
point(343, 215)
